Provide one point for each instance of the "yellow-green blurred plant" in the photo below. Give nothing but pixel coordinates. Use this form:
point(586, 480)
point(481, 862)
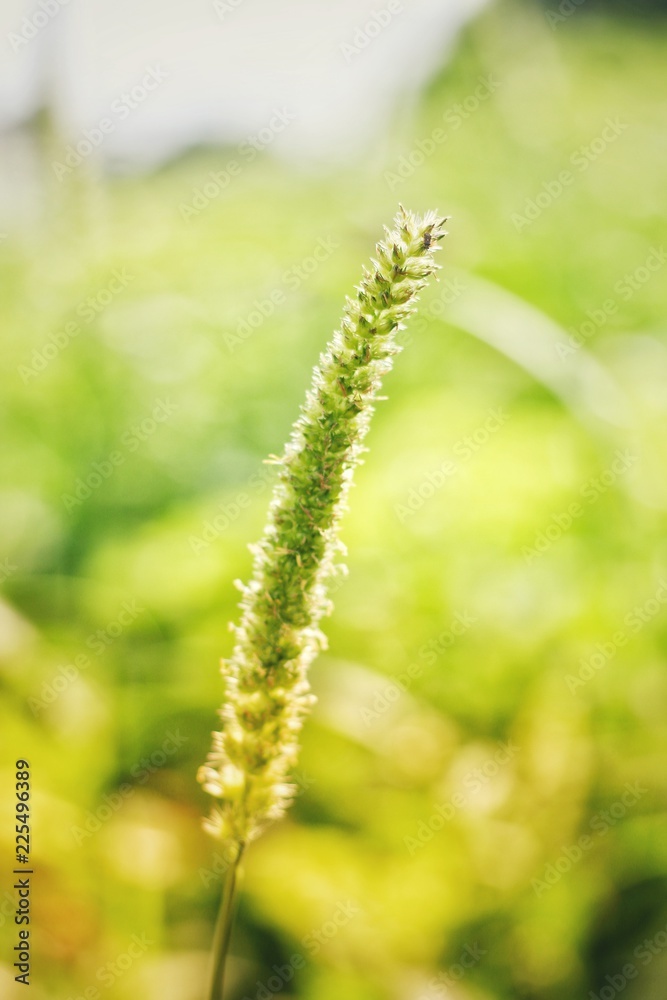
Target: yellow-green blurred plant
point(267, 693)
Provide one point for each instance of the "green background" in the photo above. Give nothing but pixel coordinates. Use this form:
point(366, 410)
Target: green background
point(368, 888)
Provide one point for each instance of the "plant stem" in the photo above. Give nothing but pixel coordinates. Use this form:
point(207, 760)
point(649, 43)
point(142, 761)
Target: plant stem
point(223, 930)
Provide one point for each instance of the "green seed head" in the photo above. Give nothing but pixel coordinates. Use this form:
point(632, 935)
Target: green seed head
point(266, 686)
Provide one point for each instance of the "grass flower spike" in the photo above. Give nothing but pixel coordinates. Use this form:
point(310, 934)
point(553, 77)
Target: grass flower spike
point(267, 693)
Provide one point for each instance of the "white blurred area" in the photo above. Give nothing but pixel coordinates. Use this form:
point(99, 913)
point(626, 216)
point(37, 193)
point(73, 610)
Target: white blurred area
point(220, 70)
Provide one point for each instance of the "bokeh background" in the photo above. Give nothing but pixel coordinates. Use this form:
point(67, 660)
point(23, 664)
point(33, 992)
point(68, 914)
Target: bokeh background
point(482, 785)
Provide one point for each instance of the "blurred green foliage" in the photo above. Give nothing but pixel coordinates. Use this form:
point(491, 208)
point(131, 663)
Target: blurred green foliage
point(128, 576)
